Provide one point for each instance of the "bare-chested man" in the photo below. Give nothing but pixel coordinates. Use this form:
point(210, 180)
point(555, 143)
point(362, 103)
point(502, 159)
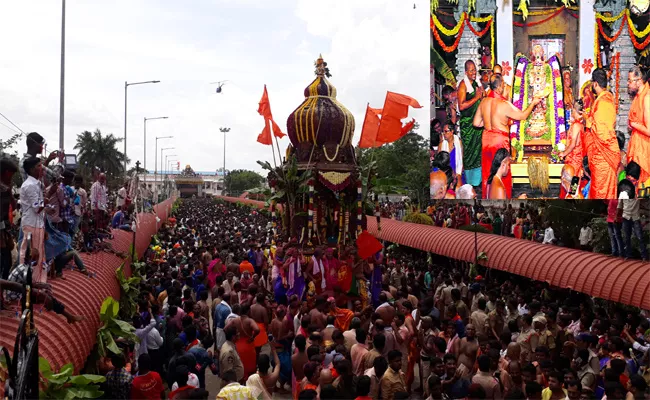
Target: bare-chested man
point(299, 358)
point(248, 330)
point(466, 349)
point(494, 114)
point(260, 315)
point(317, 314)
point(385, 310)
point(507, 93)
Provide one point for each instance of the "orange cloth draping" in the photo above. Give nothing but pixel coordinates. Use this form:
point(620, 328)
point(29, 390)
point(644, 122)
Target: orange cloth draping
point(639, 146)
point(574, 158)
point(343, 317)
point(493, 140)
point(602, 147)
point(246, 352)
point(263, 337)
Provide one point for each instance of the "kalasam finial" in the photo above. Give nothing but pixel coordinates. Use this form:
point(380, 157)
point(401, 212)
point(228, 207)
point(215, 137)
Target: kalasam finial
point(321, 67)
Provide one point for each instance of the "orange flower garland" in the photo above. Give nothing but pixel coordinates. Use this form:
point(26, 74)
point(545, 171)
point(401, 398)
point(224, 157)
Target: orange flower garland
point(617, 61)
point(639, 46)
point(453, 47)
point(484, 31)
point(613, 38)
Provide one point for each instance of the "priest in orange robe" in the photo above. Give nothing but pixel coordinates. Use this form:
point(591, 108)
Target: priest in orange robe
point(602, 148)
point(639, 122)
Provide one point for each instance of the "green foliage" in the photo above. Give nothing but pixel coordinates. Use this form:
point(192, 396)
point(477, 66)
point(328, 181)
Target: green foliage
point(241, 180)
point(112, 328)
point(289, 184)
point(568, 216)
point(418, 218)
point(401, 167)
point(65, 385)
point(600, 239)
point(129, 292)
point(99, 150)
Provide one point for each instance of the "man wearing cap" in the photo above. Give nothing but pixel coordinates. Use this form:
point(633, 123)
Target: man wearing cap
point(475, 290)
point(35, 144)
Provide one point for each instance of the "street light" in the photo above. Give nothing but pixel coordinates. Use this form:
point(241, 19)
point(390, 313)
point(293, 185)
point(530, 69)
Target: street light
point(155, 176)
point(126, 86)
point(161, 159)
point(145, 143)
point(224, 131)
point(167, 162)
point(170, 164)
point(62, 89)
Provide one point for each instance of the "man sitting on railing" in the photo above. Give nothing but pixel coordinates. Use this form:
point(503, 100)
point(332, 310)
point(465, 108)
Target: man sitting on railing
point(12, 290)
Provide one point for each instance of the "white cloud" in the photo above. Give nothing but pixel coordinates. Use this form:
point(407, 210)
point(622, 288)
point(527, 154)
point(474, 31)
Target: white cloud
point(371, 46)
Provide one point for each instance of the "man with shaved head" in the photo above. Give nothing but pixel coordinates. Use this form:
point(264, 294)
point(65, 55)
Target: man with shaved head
point(438, 185)
point(639, 122)
point(470, 94)
point(507, 92)
point(494, 114)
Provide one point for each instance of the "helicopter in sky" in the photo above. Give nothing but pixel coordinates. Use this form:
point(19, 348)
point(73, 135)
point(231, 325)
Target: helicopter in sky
point(219, 85)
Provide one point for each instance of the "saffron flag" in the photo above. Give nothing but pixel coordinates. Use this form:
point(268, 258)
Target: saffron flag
point(370, 128)
point(395, 109)
point(367, 245)
point(264, 110)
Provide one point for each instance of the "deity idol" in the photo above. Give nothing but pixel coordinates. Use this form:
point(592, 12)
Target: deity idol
point(545, 127)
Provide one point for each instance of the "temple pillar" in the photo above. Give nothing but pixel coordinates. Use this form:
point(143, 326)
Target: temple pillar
point(468, 47)
point(504, 37)
point(432, 83)
point(587, 30)
point(623, 46)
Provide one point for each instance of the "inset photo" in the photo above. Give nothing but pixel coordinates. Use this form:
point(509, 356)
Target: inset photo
point(540, 99)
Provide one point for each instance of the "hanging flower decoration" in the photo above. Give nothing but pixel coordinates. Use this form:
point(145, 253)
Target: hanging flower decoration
point(616, 65)
point(506, 68)
point(310, 210)
point(359, 206)
point(587, 65)
point(627, 21)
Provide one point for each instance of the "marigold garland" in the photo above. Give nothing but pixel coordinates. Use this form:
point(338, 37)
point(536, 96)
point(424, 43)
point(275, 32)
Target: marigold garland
point(596, 48)
point(449, 32)
point(458, 30)
point(634, 32)
point(617, 61)
point(616, 35)
point(453, 47)
point(555, 14)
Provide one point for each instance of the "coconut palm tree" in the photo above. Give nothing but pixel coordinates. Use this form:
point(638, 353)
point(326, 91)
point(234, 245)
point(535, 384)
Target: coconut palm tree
point(99, 150)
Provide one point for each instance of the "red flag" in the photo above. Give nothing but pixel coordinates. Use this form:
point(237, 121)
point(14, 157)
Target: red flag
point(264, 110)
point(367, 245)
point(395, 109)
point(370, 128)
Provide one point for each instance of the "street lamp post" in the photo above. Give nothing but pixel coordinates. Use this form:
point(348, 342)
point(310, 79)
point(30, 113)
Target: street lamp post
point(170, 164)
point(126, 86)
point(167, 162)
point(62, 90)
point(145, 144)
point(155, 176)
point(161, 159)
point(224, 131)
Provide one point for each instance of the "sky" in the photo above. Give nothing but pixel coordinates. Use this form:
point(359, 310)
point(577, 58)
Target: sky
point(371, 46)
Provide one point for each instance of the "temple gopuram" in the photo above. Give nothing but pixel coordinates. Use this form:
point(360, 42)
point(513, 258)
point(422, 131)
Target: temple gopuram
point(544, 47)
point(189, 183)
point(322, 156)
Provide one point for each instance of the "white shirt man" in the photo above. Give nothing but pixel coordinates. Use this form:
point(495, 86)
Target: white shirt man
point(121, 197)
point(98, 197)
point(549, 236)
point(586, 235)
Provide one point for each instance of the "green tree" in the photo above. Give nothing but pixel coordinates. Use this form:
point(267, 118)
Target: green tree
point(401, 167)
point(568, 216)
point(241, 180)
point(99, 150)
